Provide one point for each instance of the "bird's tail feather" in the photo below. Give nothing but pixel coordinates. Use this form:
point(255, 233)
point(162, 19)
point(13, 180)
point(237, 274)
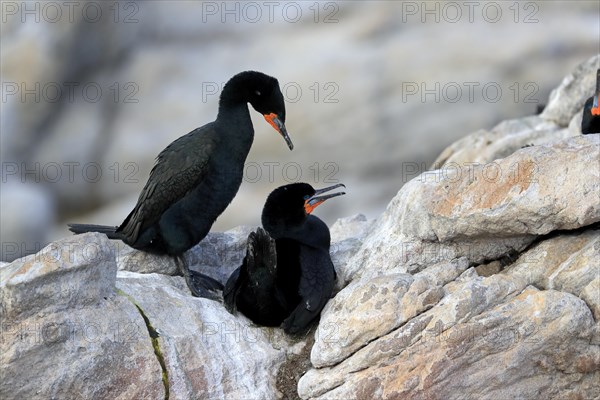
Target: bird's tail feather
point(261, 252)
point(109, 231)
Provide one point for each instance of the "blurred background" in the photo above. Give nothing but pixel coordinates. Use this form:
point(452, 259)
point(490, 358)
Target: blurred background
point(93, 91)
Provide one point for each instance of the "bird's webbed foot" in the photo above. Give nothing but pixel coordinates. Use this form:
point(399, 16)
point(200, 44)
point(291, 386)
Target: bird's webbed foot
point(200, 285)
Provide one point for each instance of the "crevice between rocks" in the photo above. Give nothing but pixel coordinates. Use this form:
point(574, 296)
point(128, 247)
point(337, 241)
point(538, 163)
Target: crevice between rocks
point(513, 255)
point(161, 360)
point(294, 367)
point(155, 344)
point(510, 257)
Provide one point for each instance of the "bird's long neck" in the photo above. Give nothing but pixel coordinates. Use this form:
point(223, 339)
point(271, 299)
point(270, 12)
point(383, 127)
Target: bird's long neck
point(234, 115)
point(316, 233)
point(240, 132)
point(312, 232)
point(233, 111)
point(234, 94)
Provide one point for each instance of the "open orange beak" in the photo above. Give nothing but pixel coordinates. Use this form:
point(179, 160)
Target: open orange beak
point(313, 202)
point(275, 122)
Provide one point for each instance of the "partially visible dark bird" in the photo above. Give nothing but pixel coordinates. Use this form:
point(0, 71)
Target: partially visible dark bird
point(287, 276)
point(590, 122)
point(198, 175)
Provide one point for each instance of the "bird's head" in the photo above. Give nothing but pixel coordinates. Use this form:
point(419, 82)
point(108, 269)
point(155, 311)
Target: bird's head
point(288, 206)
point(263, 93)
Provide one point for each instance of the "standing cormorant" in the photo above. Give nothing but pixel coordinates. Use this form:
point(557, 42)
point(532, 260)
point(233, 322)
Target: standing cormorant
point(287, 276)
point(196, 177)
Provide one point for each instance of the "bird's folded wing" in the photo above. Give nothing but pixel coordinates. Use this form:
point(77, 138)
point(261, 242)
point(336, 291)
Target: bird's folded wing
point(316, 284)
point(317, 277)
point(177, 171)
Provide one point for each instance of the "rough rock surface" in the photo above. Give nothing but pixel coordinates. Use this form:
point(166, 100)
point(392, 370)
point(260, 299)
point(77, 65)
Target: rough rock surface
point(65, 331)
point(512, 196)
point(530, 330)
point(568, 98)
point(140, 325)
point(125, 335)
point(207, 352)
point(492, 339)
point(527, 319)
point(463, 288)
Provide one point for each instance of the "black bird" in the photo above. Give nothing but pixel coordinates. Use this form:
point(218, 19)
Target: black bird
point(590, 122)
point(196, 177)
point(287, 276)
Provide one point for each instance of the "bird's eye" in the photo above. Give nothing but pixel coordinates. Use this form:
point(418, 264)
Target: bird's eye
point(306, 197)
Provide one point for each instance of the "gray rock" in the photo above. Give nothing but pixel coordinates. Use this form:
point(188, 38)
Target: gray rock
point(447, 214)
point(446, 339)
point(354, 227)
point(483, 147)
point(564, 109)
point(388, 249)
point(531, 192)
point(76, 271)
point(133, 335)
point(66, 333)
point(390, 299)
point(130, 259)
point(497, 341)
point(589, 294)
point(217, 255)
point(568, 263)
point(445, 351)
point(568, 98)
point(220, 253)
point(207, 352)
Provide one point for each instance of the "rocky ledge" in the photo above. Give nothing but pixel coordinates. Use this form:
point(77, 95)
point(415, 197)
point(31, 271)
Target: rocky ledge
point(480, 280)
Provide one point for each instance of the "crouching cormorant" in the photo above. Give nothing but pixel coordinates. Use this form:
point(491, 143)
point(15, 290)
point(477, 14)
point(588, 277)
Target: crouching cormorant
point(287, 276)
point(196, 177)
point(590, 122)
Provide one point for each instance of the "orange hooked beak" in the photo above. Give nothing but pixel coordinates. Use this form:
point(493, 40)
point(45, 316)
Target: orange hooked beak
point(313, 202)
point(275, 122)
point(596, 106)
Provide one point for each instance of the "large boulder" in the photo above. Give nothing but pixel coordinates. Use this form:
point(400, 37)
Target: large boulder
point(73, 326)
point(492, 338)
point(67, 333)
point(528, 331)
point(206, 352)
